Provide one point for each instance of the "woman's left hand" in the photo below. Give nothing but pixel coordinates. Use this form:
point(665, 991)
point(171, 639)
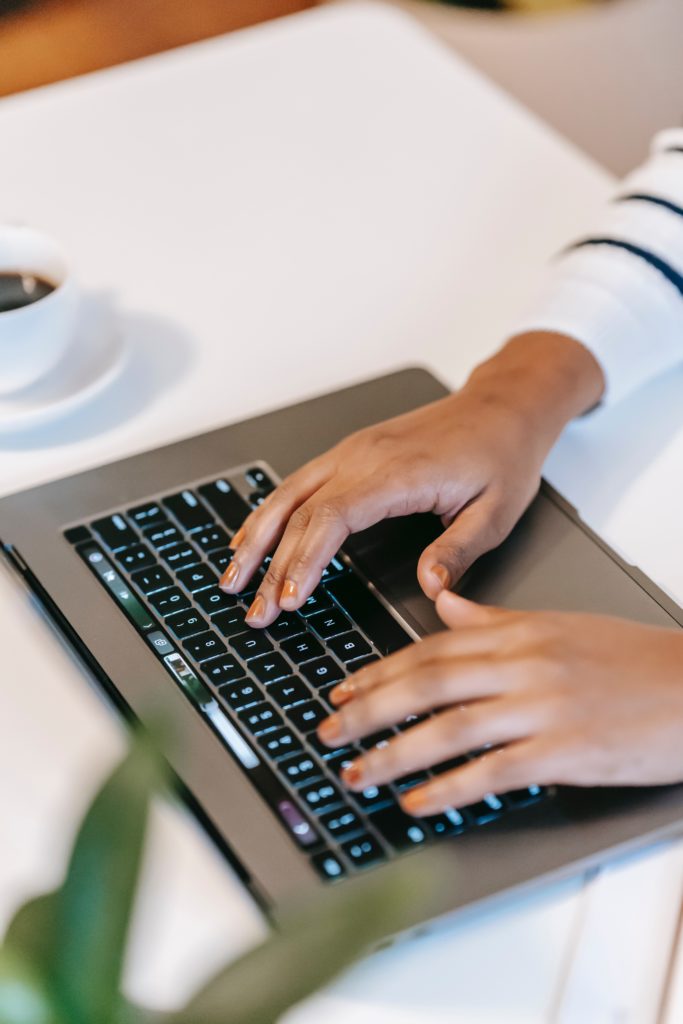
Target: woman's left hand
point(562, 698)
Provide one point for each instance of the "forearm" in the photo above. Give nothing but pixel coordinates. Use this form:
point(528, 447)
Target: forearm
point(546, 378)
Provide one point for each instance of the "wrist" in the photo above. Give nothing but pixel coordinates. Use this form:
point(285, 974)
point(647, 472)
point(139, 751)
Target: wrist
point(548, 379)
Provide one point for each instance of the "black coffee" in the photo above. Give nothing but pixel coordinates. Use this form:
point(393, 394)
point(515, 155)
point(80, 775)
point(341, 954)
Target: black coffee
point(17, 290)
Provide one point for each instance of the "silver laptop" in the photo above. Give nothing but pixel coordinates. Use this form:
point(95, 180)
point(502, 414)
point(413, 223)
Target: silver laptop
point(126, 560)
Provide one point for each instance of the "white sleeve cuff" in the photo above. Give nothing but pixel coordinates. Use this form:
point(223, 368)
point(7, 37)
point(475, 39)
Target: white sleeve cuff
point(617, 305)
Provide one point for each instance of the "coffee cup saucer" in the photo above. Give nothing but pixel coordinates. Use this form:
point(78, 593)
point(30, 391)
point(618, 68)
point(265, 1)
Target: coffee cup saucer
point(94, 360)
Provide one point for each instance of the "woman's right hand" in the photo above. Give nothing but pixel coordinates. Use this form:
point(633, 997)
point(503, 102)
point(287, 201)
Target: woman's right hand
point(473, 458)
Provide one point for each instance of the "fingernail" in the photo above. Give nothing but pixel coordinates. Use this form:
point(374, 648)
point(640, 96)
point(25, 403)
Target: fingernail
point(413, 801)
point(229, 577)
point(352, 774)
point(344, 692)
point(330, 729)
point(237, 539)
point(257, 609)
point(443, 576)
point(289, 591)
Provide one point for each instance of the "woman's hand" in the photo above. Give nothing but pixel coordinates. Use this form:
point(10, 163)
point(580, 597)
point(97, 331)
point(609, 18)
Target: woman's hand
point(576, 699)
point(473, 458)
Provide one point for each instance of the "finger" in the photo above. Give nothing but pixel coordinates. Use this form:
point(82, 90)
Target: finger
point(458, 613)
point(522, 764)
point(436, 685)
point(262, 529)
point(470, 535)
point(334, 512)
point(449, 734)
point(463, 644)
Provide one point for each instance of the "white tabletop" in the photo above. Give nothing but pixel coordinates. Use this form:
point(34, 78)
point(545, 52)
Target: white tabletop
point(271, 215)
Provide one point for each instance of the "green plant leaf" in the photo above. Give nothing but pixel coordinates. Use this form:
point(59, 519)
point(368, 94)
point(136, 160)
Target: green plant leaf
point(32, 933)
point(316, 944)
point(96, 900)
point(24, 997)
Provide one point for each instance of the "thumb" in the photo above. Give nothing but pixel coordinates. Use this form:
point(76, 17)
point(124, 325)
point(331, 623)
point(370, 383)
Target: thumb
point(458, 613)
point(443, 563)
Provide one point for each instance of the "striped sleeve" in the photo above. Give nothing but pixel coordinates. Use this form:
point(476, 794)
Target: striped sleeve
point(619, 290)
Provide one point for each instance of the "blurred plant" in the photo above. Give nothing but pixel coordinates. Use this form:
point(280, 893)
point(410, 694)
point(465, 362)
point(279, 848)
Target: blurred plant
point(63, 955)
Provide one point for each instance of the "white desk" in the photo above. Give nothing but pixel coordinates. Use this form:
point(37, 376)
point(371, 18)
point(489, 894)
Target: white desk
point(273, 214)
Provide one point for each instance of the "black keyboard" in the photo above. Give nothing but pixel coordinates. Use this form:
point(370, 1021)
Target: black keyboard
point(264, 692)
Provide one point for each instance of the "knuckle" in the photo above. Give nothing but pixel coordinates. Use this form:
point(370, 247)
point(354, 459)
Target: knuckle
point(300, 518)
point(301, 563)
point(328, 511)
point(274, 576)
point(457, 556)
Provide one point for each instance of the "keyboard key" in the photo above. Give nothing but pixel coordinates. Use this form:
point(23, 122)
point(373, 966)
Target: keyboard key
point(251, 644)
point(259, 479)
point(329, 623)
point(149, 580)
point(299, 827)
point(322, 750)
point(399, 829)
point(115, 532)
point(287, 692)
point(363, 851)
point(270, 667)
point(259, 718)
point(280, 743)
point(211, 539)
point(335, 568)
point(162, 535)
point(373, 797)
point(213, 600)
point(197, 577)
point(287, 624)
point(168, 601)
point(230, 622)
point(302, 648)
point(178, 556)
point(349, 646)
point(298, 769)
point(77, 534)
point(224, 669)
point(318, 601)
point(320, 795)
point(353, 666)
point(204, 646)
point(147, 515)
point(522, 797)
point(159, 643)
point(228, 505)
point(366, 611)
point(256, 498)
point(188, 510)
point(328, 865)
point(341, 823)
point(241, 694)
point(136, 557)
point(485, 810)
point(410, 781)
point(448, 766)
point(307, 716)
point(410, 721)
point(341, 760)
point(322, 671)
point(450, 823)
point(186, 623)
point(377, 739)
point(221, 559)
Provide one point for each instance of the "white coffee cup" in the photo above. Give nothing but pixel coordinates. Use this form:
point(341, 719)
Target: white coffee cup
point(35, 337)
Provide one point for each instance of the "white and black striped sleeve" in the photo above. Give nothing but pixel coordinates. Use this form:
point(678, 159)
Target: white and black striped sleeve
point(619, 291)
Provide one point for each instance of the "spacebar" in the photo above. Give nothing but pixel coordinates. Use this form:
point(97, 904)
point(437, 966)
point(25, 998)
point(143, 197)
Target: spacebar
point(372, 617)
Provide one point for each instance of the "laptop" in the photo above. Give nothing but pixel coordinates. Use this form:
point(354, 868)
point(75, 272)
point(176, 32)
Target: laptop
point(126, 560)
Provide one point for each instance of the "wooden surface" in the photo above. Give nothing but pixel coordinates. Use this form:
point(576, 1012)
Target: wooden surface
point(46, 41)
